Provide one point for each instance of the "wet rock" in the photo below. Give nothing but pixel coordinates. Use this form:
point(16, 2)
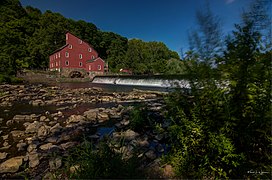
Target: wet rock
point(21, 146)
point(11, 165)
point(33, 127)
point(150, 154)
point(33, 159)
point(3, 155)
point(55, 164)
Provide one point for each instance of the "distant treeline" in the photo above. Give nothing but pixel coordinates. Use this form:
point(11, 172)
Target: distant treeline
point(28, 36)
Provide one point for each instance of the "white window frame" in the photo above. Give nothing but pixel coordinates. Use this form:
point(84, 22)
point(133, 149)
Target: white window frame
point(56, 64)
point(90, 67)
point(66, 63)
point(80, 56)
point(98, 67)
point(70, 46)
point(66, 36)
point(66, 54)
point(93, 57)
point(90, 49)
point(59, 54)
point(80, 41)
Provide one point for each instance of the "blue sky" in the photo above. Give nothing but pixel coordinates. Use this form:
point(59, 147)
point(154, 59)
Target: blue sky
point(167, 21)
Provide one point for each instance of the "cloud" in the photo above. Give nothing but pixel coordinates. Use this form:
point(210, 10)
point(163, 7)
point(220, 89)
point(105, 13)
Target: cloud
point(229, 1)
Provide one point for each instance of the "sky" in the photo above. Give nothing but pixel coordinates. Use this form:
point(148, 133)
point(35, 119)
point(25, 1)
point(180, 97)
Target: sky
point(167, 21)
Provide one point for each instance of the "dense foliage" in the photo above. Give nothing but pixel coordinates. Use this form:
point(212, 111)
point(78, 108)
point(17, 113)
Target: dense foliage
point(28, 36)
point(222, 129)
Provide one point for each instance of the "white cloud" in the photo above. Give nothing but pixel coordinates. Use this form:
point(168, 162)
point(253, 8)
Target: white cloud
point(229, 1)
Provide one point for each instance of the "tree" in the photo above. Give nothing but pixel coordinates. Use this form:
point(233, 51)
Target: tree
point(206, 41)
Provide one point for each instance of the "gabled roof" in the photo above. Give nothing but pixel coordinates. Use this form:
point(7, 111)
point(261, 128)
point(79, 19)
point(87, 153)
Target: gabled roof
point(59, 49)
point(82, 40)
point(92, 60)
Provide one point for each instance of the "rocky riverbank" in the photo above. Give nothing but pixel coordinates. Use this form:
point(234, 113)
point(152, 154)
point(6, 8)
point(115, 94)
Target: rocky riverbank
point(30, 140)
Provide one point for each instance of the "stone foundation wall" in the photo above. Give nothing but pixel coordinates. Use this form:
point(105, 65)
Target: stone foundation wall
point(65, 72)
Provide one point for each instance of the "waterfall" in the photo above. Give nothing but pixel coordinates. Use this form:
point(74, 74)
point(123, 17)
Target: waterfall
point(142, 81)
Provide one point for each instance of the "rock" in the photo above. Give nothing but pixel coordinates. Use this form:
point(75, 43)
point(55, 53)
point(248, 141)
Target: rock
point(56, 128)
point(127, 135)
point(43, 118)
point(46, 146)
point(55, 164)
point(11, 165)
point(21, 117)
point(33, 159)
point(3, 155)
point(91, 114)
point(143, 143)
point(31, 147)
point(160, 148)
point(33, 127)
point(17, 134)
point(5, 144)
point(9, 122)
point(43, 131)
point(103, 117)
point(5, 137)
point(52, 139)
point(159, 137)
point(75, 119)
point(38, 102)
point(67, 145)
point(125, 122)
point(150, 154)
point(21, 146)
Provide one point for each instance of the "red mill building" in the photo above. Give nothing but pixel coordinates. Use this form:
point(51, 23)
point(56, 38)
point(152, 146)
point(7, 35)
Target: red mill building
point(76, 59)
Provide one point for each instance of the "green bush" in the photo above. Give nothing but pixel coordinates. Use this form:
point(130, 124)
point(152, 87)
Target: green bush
point(100, 162)
point(139, 118)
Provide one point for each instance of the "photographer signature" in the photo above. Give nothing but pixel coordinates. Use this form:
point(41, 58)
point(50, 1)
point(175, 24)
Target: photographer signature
point(257, 172)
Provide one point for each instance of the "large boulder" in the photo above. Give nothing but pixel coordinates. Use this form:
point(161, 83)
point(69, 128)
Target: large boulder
point(11, 165)
point(91, 114)
point(76, 119)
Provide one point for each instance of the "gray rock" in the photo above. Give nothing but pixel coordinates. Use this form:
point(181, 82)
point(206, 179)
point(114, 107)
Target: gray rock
point(42, 118)
point(52, 139)
point(5, 144)
point(3, 155)
point(21, 146)
point(33, 159)
point(127, 135)
point(103, 117)
point(9, 122)
point(11, 165)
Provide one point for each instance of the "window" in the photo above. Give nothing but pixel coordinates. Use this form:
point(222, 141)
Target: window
point(66, 36)
point(56, 56)
point(90, 67)
point(80, 64)
point(80, 56)
point(56, 63)
point(59, 55)
point(99, 67)
point(67, 63)
point(92, 56)
point(90, 49)
point(66, 54)
point(52, 65)
point(80, 41)
point(70, 46)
